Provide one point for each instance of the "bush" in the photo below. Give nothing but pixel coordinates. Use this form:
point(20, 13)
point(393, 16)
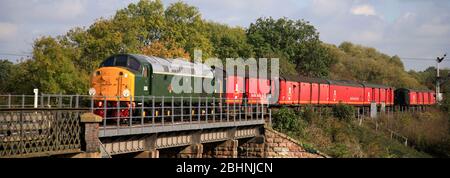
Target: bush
point(287, 121)
point(308, 114)
point(344, 112)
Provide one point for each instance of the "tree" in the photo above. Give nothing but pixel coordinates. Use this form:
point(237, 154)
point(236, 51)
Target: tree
point(52, 70)
point(228, 42)
point(165, 49)
point(185, 26)
point(6, 72)
point(298, 40)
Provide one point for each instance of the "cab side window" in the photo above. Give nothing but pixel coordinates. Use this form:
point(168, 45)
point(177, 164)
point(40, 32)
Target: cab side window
point(145, 72)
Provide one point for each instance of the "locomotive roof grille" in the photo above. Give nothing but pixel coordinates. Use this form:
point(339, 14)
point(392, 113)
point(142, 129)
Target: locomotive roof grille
point(172, 66)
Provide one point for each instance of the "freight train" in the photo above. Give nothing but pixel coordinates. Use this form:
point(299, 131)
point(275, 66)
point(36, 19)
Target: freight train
point(124, 76)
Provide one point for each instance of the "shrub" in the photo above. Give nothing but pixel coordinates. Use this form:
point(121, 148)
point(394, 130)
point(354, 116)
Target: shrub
point(344, 112)
point(286, 120)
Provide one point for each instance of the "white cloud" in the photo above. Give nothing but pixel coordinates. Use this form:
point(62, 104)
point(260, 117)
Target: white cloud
point(366, 10)
point(7, 31)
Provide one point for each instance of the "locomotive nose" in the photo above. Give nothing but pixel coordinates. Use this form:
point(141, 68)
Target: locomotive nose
point(113, 82)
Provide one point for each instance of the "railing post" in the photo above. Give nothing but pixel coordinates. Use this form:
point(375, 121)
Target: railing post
point(221, 109)
point(262, 112)
point(105, 110)
point(118, 113)
point(182, 109)
point(163, 111)
point(23, 101)
point(173, 110)
point(246, 109)
point(71, 100)
point(206, 109)
point(9, 101)
point(153, 111)
point(42, 101)
point(60, 101)
point(234, 111)
point(92, 104)
point(190, 109)
point(214, 109)
point(199, 109)
point(130, 112)
point(77, 100)
point(142, 111)
point(228, 112)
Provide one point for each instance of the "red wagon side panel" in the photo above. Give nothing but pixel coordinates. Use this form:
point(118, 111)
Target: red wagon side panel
point(419, 98)
point(413, 98)
point(282, 94)
point(383, 95)
point(305, 93)
point(392, 96)
point(355, 95)
point(376, 95)
point(315, 93)
point(296, 92)
point(324, 95)
point(287, 92)
point(426, 98)
point(367, 95)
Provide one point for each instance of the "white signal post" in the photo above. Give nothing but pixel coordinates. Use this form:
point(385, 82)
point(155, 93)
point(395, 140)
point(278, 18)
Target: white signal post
point(438, 85)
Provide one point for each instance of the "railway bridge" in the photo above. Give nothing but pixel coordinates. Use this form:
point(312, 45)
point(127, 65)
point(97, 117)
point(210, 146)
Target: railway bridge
point(65, 126)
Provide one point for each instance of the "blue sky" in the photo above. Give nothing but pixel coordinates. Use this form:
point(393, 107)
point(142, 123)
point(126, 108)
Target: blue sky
point(408, 28)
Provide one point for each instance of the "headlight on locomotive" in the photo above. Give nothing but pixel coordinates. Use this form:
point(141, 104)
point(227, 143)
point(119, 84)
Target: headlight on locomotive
point(92, 91)
point(126, 93)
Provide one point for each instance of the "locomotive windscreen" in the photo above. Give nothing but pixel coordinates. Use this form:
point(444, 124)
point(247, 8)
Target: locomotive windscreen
point(122, 61)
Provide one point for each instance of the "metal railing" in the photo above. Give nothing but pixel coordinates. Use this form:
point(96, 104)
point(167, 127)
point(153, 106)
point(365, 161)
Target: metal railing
point(45, 101)
point(31, 133)
point(153, 114)
point(149, 114)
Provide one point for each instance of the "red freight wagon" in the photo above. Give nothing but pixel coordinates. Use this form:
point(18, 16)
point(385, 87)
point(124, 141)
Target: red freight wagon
point(257, 90)
point(287, 92)
point(290, 89)
point(235, 89)
point(313, 90)
point(377, 93)
point(346, 92)
point(305, 92)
